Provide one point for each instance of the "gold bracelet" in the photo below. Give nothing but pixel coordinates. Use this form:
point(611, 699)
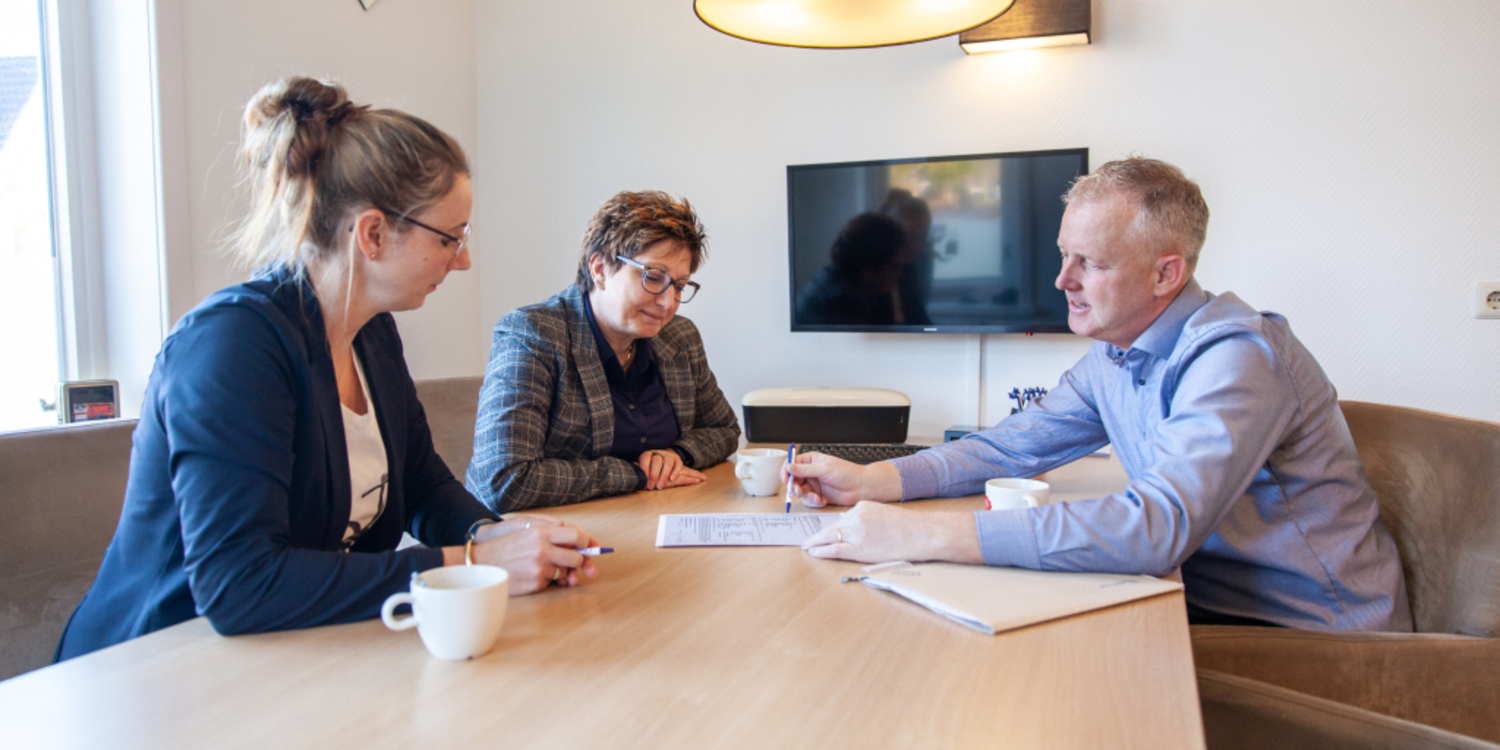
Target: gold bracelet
point(474, 527)
point(469, 551)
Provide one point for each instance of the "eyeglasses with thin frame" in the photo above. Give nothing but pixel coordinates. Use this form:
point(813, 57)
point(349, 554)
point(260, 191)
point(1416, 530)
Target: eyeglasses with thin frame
point(463, 240)
point(656, 281)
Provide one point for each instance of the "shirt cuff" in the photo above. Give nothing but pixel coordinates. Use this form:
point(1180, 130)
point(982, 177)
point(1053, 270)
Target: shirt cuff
point(1006, 538)
point(687, 458)
point(918, 479)
point(640, 478)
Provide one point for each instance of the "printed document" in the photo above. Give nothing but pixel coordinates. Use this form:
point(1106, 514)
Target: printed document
point(740, 529)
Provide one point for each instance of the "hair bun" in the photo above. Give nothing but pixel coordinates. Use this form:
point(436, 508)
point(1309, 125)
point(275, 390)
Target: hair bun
point(296, 114)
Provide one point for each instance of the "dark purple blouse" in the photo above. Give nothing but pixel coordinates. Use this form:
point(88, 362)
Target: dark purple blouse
point(644, 418)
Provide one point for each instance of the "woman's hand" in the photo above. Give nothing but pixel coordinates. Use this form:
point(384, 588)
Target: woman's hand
point(513, 522)
point(536, 550)
point(664, 469)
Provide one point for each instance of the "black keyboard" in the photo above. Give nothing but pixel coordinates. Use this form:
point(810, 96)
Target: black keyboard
point(862, 453)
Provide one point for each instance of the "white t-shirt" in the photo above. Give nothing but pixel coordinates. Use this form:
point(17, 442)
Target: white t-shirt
point(368, 470)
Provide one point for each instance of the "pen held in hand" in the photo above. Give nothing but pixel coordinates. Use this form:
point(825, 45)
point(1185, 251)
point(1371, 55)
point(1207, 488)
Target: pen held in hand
point(791, 457)
point(593, 551)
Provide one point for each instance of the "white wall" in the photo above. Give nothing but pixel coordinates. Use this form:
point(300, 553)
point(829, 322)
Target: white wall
point(414, 56)
point(1347, 149)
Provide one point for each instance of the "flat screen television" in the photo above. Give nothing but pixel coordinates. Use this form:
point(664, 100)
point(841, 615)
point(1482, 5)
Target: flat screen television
point(947, 244)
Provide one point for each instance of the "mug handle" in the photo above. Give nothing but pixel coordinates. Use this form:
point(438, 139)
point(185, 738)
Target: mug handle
point(388, 612)
point(742, 470)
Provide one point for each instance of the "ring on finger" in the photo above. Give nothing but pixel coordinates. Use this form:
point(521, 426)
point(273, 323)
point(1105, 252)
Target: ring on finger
point(555, 572)
point(840, 532)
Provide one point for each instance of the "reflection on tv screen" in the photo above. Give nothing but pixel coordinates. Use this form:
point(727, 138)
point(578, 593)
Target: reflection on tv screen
point(956, 243)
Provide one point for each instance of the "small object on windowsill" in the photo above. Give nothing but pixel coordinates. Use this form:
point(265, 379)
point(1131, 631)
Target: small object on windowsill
point(87, 400)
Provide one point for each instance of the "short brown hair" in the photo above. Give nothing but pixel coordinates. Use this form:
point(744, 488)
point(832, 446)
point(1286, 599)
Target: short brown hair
point(1169, 208)
point(631, 222)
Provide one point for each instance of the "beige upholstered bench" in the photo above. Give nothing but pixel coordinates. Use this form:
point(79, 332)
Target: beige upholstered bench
point(60, 494)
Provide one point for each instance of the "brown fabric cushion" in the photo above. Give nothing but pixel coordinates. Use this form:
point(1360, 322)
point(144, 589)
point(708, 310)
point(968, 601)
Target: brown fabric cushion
point(1438, 478)
point(61, 489)
point(1242, 713)
point(1447, 681)
point(451, 405)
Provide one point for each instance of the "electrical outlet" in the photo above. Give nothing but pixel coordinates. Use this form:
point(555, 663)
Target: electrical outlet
point(1487, 299)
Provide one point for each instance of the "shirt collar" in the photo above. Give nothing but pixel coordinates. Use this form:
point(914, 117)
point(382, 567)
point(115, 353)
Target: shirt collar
point(1160, 339)
point(643, 355)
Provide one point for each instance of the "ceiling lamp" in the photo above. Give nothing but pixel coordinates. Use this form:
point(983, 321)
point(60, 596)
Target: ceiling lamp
point(1030, 24)
point(844, 24)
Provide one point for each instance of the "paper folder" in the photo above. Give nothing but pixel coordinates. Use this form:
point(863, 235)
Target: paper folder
point(994, 600)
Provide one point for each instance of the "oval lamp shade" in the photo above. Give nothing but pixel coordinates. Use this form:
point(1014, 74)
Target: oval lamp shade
point(844, 24)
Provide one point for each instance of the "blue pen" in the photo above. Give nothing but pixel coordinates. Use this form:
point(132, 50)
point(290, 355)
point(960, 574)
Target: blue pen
point(592, 551)
point(791, 456)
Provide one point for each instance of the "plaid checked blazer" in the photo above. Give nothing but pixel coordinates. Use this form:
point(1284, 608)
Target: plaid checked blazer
point(546, 418)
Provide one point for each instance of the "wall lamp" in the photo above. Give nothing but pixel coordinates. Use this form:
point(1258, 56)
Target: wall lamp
point(1030, 24)
point(847, 24)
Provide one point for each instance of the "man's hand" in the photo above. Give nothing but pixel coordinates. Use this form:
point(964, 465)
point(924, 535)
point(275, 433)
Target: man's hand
point(875, 533)
point(820, 480)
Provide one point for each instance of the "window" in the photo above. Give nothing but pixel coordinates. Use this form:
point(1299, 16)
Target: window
point(83, 276)
point(29, 329)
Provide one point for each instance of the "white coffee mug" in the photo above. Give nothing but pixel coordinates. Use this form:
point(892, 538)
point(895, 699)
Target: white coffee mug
point(1007, 493)
point(759, 470)
point(458, 609)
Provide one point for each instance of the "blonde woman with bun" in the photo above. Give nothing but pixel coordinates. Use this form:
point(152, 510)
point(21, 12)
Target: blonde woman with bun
point(281, 450)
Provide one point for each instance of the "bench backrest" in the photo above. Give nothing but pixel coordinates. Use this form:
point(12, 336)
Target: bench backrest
point(60, 494)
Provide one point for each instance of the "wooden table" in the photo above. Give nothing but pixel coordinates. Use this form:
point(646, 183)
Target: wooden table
point(708, 647)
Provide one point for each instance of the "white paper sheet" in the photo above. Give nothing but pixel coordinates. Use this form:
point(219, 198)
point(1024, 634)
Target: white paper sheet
point(740, 529)
point(994, 600)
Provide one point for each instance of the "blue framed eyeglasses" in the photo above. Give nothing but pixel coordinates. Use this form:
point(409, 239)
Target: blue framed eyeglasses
point(656, 281)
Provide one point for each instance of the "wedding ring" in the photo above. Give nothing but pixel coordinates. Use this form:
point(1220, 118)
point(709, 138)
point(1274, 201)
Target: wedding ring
point(528, 524)
point(840, 532)
point(555, 571)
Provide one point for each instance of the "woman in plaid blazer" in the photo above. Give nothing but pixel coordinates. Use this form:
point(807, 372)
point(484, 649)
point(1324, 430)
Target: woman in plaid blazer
point(602, 389)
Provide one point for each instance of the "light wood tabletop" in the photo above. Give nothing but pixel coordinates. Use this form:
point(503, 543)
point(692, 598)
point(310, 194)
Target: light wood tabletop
point(686, 647)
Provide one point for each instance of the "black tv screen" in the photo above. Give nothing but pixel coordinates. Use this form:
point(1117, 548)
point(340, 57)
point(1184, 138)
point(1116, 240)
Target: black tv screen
point(949, 244)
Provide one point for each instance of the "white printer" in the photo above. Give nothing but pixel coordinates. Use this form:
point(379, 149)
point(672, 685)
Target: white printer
point(826, 415)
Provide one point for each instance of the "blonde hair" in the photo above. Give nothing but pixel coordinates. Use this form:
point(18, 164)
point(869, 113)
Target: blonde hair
point(311, 157)
point(1170, 213)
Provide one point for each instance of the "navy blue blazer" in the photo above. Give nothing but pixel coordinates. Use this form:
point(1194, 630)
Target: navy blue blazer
point(238, 494)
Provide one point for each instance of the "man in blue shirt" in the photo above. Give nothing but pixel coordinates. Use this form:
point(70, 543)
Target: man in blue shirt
point(1242, 470)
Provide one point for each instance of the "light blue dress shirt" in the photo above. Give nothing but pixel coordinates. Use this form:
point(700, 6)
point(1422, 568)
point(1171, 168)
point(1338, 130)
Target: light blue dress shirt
point(1242, 472)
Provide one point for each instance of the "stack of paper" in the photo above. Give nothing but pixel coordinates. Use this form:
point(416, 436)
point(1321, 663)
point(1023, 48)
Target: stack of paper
point(994, 600)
